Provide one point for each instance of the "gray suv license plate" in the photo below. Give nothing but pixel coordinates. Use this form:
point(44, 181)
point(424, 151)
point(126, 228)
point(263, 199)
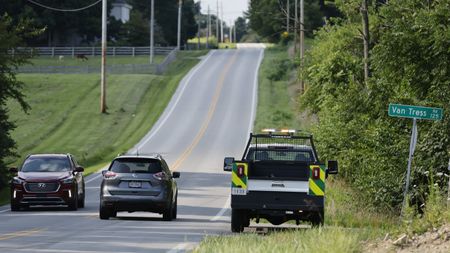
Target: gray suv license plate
point(134, 184)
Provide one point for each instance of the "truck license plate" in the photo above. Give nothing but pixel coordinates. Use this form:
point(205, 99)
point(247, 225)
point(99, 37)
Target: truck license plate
point(238, 191)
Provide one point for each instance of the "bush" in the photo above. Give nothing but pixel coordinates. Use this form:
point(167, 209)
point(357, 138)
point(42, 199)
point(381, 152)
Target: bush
point(410, 65)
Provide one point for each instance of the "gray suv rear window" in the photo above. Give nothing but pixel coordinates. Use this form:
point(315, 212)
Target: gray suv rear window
point(136, 165)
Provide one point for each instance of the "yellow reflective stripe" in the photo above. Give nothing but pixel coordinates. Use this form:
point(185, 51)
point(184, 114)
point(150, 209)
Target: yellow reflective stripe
point(322, 175)
point(237, 181)
point(315, 189)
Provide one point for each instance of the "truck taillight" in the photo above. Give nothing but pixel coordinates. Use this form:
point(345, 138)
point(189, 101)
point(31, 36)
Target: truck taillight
point(316, 173)
point(240, 171)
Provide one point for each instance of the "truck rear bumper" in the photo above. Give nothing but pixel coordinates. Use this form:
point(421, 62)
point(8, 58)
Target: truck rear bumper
point(283, 201)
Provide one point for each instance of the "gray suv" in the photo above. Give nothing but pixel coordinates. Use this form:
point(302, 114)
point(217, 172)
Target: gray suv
point(139, 183)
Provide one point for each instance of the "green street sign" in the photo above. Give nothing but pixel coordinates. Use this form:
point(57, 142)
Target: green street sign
point(415, 112)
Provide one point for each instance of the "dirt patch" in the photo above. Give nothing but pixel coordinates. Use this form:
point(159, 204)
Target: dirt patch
point(435, 241)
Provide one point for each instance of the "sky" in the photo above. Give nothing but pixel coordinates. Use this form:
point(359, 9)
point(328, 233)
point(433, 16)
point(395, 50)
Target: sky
point(232, 9)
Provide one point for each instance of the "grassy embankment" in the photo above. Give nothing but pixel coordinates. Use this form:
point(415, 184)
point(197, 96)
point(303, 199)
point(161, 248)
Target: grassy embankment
point(65, 117)
point(349, 221)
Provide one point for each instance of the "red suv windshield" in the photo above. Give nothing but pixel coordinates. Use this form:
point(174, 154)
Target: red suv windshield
point(46, 164)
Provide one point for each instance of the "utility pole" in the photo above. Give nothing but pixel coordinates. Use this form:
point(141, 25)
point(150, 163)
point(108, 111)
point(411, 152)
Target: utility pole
point(103, 67)
point(295, 26)
point(288, 16)
point(302, 42)
point(180, 3)
point(230, 31)
point(152, 28)
point(366, 38)
point(217, 23)
point(235, 38)
point(198, 35)
point(221, 22)
point(448, 190)
point(208, 29)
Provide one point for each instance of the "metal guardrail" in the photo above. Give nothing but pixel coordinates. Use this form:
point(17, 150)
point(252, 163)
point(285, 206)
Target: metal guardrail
point(91, 51)
point(112, 69)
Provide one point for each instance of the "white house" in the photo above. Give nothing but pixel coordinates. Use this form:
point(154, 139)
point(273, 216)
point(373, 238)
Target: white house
point(121, 10)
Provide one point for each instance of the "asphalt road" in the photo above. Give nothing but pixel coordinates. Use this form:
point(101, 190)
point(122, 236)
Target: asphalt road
point(208, 118)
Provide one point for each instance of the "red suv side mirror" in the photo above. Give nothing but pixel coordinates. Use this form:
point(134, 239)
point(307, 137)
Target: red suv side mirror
point(13, 170)
point(79, 169)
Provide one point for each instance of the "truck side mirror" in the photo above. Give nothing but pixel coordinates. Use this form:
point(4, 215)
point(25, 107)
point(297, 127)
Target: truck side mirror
point(332, 168)
point(228, 163)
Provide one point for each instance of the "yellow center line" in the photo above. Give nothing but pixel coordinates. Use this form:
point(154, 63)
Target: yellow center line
point(20, 234)
point(210, 114)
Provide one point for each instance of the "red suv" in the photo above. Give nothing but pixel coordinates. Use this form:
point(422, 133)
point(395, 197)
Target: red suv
point(48, 179)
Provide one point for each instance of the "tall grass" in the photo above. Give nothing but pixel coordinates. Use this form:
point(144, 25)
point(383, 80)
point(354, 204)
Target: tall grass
point(435, 213)
point(331, 239)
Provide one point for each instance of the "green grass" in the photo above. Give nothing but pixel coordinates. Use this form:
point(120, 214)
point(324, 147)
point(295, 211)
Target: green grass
point(227, 45)
point(94, 61)
point(65, 113)
point(92, 169)
point(330, 239)
point(65, 117)
point(277, 103)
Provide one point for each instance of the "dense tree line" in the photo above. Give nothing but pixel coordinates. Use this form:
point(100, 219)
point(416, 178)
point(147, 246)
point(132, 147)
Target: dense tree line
point(409, 63)
point(268, 17)
point(86, 24)
point(12, 35)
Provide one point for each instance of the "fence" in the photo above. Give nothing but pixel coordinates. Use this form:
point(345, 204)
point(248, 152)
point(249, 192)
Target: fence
point(112, 69)
point(92, 51)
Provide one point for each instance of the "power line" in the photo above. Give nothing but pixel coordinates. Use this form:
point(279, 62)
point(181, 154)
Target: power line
point(64, 10)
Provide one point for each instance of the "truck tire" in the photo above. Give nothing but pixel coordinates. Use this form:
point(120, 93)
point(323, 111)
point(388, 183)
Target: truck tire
point(317, 219)
point(237, 220)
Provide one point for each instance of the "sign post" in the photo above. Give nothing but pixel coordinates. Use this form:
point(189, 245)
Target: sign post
point(415, 113)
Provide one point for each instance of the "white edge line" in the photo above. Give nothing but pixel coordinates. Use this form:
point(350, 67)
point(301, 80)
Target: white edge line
point(255, 92)
point(172, 108)
point(4, 211)
point(222, 211)
point(99, 175)
point(92, 179)
point(179, 248)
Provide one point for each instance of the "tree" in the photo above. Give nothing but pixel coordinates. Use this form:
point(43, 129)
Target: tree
point(241, 28)
point(268, 17)
point(61, 27)
point(410, 64)
point(11, 36)
point(166, 13)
